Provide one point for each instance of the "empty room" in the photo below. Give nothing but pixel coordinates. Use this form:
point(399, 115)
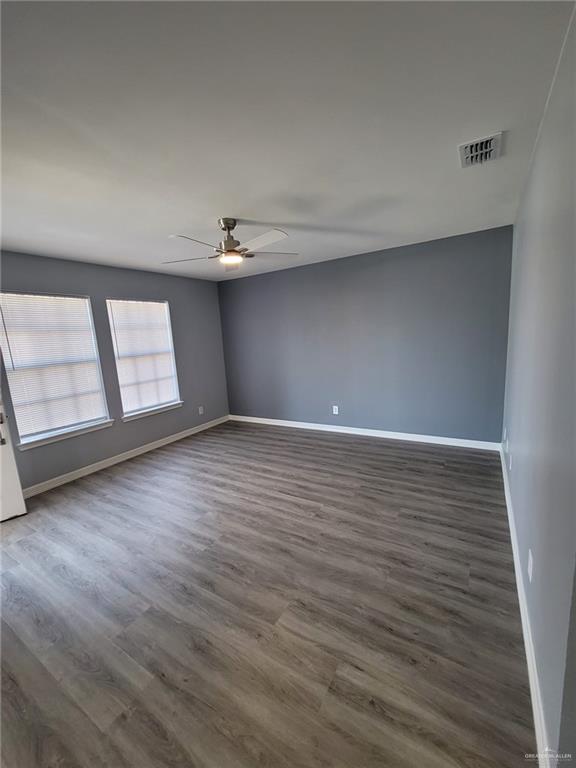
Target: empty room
point(288, 384)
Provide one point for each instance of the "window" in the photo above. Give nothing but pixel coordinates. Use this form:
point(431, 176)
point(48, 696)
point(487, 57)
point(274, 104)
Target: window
point(52, 364)
point(144, 352)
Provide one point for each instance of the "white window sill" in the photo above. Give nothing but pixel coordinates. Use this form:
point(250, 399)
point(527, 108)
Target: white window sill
point(62, 434)
point(152, 411)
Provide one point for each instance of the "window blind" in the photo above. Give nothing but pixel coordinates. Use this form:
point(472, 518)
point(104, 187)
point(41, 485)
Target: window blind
point(144, 353)
point(51, 361)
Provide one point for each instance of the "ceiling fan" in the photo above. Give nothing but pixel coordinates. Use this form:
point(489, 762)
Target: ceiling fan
point(230, 252)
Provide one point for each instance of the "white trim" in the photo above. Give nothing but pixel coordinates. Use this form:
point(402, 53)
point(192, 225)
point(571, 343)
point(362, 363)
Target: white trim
point(47, 485)
point(535, 694)
point(152, 411)
point(408, 436)
point(62, 434)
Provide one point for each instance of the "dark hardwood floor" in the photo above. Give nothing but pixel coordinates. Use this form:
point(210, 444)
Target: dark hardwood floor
point(256, 596)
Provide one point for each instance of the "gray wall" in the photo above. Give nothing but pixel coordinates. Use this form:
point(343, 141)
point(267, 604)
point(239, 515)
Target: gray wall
point(568, 722)
point(540, 408)
point(195, 321)
point(410, 339)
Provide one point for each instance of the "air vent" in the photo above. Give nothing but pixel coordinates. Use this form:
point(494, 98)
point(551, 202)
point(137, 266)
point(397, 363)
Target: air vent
point(481, 150)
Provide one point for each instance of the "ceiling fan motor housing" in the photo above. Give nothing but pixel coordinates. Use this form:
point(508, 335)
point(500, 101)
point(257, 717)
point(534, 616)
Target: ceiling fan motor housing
point(229, 244)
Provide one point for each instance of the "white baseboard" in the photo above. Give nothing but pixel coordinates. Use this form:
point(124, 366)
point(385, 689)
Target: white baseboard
point(407, 436)
point(54, 482)
point(535, 694)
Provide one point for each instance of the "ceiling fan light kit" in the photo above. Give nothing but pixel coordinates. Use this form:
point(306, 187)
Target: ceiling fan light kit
point(229, 251)
point(231, 257)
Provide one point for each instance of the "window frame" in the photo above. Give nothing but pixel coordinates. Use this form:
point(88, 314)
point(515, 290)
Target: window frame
point(51, 436)
point(160, 407)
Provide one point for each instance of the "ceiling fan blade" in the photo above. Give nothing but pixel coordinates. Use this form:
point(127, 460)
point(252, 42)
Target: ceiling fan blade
point(263, 240)
point(197, 258)
point(193, 239)
point(271, 253)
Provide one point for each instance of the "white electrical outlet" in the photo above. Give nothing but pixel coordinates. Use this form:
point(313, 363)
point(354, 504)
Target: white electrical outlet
point(530, 565)
point(201, 410)
point(335, 410)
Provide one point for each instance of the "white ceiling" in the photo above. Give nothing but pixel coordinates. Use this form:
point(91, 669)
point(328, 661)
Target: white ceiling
point(338, 122)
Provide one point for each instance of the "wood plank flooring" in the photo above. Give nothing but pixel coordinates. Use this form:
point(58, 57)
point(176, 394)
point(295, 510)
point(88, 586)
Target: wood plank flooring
point(256, 596)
